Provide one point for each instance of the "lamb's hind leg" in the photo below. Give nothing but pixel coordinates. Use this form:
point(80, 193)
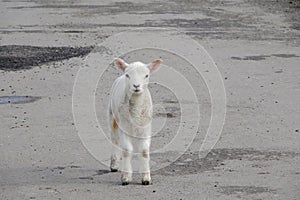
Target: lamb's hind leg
point(115, 152)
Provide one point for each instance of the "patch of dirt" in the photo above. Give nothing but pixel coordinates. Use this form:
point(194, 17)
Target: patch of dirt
point(206, 23)
point(58, 174)
point(257, 58)
point(290, 9)
point(246, 190)
point(19, 57)
point(166, 115)
point(222, 19)
point(263, 57)
point(190, 163)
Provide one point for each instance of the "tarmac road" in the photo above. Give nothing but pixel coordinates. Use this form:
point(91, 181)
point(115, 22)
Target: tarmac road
point(255, 45)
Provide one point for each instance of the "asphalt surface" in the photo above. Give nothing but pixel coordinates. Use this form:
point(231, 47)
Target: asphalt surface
point(255, 45)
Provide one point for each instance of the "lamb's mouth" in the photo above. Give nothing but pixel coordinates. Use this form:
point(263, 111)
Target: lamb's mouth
point(137, 91)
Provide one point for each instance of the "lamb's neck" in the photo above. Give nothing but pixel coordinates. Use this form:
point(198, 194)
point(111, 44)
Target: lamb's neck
point(140, 109)
point(137, 100)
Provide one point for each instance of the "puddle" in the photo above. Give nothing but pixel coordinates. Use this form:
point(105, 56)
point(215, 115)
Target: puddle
point(18, 99)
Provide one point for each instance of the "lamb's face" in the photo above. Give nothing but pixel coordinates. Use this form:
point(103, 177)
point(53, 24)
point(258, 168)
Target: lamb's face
point(137, 77)
point(137, 74)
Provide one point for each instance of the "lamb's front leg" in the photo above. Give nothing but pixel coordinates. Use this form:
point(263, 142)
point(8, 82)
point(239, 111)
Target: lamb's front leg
point(144, 161)
point(126, 159)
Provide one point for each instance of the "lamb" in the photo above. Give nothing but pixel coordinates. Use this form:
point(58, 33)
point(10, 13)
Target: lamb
point(130, 116)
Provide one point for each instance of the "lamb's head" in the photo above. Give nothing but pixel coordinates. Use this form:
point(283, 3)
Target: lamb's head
point(137, 74)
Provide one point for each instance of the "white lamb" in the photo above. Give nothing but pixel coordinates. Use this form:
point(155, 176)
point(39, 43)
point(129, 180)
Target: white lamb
point(130, 116)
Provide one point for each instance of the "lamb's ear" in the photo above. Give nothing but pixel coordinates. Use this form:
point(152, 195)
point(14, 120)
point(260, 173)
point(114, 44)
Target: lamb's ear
point(154, 65)
point(120, 63)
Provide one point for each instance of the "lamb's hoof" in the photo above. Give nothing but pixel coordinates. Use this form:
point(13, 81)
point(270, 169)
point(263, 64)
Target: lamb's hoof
point(126, 178)
point(125, 183)
point(113, 170)
point(146, 182)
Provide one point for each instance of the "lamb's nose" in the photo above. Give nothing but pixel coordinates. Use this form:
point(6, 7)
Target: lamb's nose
point(136, 86)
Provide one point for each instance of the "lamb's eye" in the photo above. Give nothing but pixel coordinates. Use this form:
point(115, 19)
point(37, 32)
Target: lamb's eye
point(147, 76)
point(127, 75)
